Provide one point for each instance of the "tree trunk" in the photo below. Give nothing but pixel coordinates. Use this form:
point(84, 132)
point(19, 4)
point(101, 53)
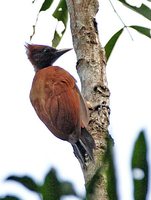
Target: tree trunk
point(91, 67)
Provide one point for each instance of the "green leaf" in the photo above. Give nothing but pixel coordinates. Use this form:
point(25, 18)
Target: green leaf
point(51, 189)
point(67, 188)
point(61, 14)
point(9, 197)
point(139, 167)
point(25, 181)
point(142, 10)
point(111, 43)
point(46, 5)
point(56, 39)
point(54, 189)
point(143, 30)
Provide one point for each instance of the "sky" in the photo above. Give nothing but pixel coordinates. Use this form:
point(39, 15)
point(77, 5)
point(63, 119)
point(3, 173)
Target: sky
point(26, 145)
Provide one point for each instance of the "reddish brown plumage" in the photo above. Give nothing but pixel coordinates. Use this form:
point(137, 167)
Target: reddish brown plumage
point(57, 94)
point(58, 102)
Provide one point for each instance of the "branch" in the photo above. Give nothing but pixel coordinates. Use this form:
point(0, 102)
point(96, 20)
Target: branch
point(125, 26)
point(91, 67)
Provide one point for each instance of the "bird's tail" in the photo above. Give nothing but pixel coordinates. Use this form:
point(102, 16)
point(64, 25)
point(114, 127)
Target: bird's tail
point(83, 148)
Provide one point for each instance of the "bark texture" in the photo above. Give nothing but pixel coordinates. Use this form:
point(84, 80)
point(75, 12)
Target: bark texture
point(91, 67)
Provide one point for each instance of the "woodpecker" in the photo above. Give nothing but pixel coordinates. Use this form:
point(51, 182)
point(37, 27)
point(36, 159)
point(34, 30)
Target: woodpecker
point(58, 101)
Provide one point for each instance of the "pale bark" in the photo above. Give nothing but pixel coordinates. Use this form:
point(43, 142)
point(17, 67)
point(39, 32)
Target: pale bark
point(91, 67)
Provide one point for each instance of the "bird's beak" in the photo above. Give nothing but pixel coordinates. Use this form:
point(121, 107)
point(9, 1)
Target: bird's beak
point(60, 52)
point(27, 47)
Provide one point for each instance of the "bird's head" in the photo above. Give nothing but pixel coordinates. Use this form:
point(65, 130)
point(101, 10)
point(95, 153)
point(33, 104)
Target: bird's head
point(42, 56)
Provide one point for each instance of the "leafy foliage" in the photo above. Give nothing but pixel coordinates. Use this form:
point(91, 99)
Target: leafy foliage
point(111, 43)
point(51, 186)
point(143, 10)
point(26, 182)
point(113, 40)
point(51, 189)
point(60, 13)
point(143, 30)
point(139, 167)
point(46, 5)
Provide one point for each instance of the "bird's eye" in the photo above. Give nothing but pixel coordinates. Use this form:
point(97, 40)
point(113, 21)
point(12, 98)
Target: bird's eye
point(46, 50)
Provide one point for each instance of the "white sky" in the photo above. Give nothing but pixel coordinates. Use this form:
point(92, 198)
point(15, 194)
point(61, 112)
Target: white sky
point(26, 146)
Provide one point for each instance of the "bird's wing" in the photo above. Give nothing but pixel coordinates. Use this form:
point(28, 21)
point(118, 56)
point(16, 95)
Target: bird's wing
point(72, 98)
point(63, 108)
point(58, 103)
point(65, 111)
point(83, 110)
